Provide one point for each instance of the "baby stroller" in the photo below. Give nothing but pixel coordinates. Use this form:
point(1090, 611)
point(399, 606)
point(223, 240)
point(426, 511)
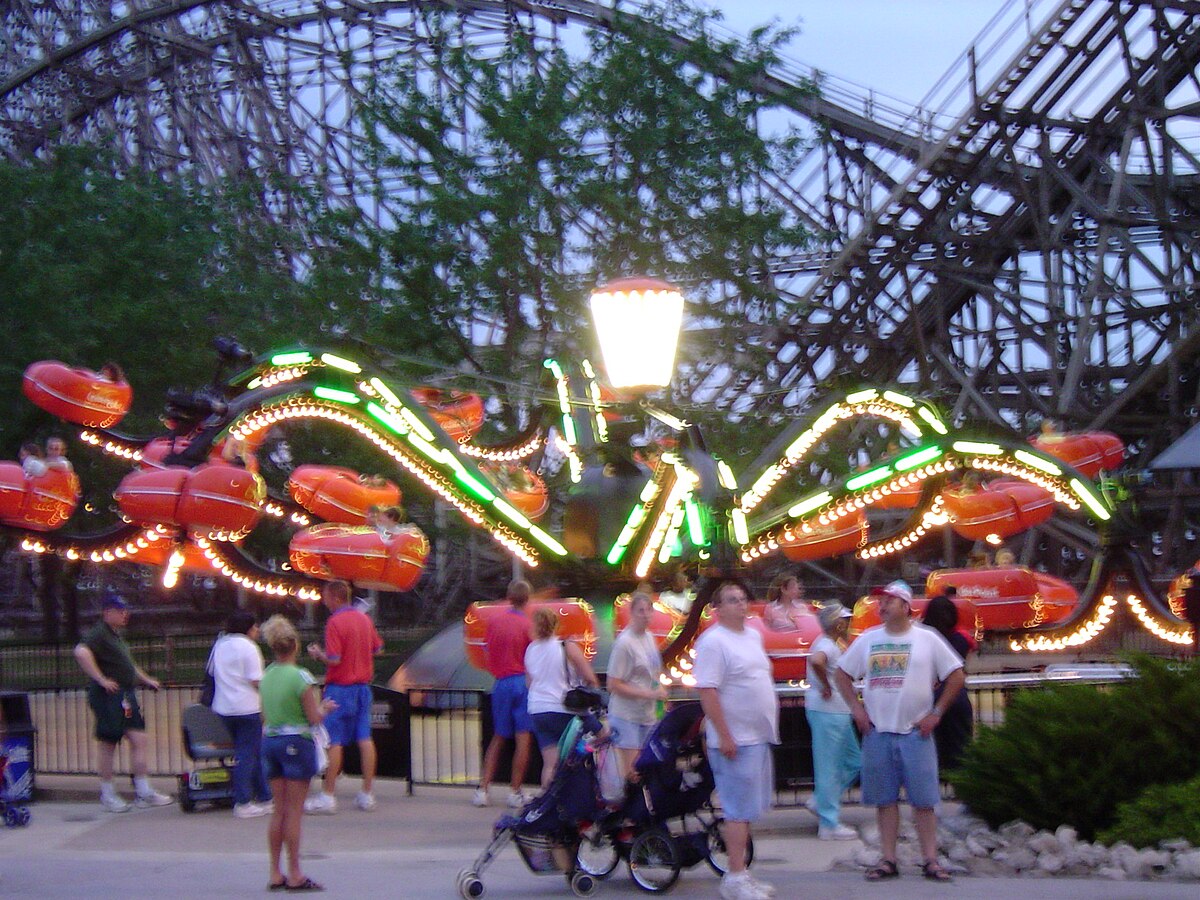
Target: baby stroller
point(547, 830)
point(206, 740)
point(667, 822)
point(15, 814)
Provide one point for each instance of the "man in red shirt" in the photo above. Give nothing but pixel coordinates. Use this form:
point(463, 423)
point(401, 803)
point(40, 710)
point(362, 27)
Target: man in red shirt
point(351, 645)
point(506, 640)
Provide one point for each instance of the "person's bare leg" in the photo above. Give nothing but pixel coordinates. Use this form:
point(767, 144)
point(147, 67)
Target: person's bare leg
point(296, 791)
point(137, 752)
point(105, 755)
point(925, 819)
point(627, 756)
point(888, 818)
point(366, 753)
point(549, 763)
point(275, 828)
point(491, 760)
point(334, 767)
point(521, 754)
point(736, 836)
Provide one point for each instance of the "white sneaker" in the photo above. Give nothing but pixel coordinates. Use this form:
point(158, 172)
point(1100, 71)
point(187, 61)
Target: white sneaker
point(114, 804)
point(268, 807)
point(480, 798)
point(811, 805)
point(365, 801)
point(516, 800)
point(248, 811)
point(768, 890)
point(742, 887)
point(837, 833)
point(321, 805)
point(154, 798)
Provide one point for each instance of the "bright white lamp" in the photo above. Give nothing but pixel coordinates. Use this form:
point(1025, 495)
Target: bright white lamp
point(637, 323)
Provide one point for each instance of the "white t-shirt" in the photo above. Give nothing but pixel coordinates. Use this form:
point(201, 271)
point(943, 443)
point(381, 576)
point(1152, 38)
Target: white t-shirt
point(635, 659)
point(812, 697)
point(547, 676)
point(735, 663)
point(237, 668)
point(899, 672)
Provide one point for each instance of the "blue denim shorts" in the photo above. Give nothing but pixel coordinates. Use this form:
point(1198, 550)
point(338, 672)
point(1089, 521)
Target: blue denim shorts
point(745, 783)
point(629, 735)
point(351, 721)
point(509, 712)
point(290, 756)
point(891, 760)
point(548, 727)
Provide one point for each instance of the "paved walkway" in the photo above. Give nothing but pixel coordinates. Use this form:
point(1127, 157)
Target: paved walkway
point(413, 847)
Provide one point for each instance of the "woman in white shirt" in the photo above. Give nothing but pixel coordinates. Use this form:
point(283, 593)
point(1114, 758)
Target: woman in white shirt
point(633, 682)
point(237, 667)
point(552, 667)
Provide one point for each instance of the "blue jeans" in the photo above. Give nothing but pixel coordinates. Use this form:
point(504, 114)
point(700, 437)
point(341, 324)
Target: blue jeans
point(249, 783)
point(837, 761)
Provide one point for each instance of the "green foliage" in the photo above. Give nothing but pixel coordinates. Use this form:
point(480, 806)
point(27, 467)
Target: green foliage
point(1072, 754)
point(1162, 812)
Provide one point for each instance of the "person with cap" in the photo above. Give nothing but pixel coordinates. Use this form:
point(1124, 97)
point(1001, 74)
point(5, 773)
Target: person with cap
point(900, 662)
point(837, 758)
point(741, 711)
point(237, 667)
point(105, 659)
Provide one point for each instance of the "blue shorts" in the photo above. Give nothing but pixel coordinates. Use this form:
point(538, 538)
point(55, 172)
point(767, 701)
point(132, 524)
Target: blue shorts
point(891, 760)
point(629, 735)
point(745, 783)
point(351, 721)
point(548, 727)
point(509, 712)
point(290, 756)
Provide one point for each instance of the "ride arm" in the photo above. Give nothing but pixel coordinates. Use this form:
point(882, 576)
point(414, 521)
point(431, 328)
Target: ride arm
point(87, 662)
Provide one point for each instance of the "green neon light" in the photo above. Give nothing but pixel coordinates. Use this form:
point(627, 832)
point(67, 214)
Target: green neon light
point(977, 448)
point(254, 382)
point(425, 447)
point(416, 424)
point(861, 396)
point(511, 512)
point(874, 476)
point(392, 421)
point(814, 502)
point(326, 393)
point(1090, 500)
point(547, 541)
point(741, 533)
point(932, 418)
point(386, 392)
point(899, 399)
point(622, 543)
point(616, 554)
point(1037, 462)
point(695, 523)
point(339, 363)
point(291, 359)
point(553, 366)
point(917, 458)
point(474, 485)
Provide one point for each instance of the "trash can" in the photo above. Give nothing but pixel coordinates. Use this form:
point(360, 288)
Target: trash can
point(17, 742)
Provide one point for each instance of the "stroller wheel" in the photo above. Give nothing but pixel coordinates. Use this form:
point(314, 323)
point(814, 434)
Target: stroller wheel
point(717, 856)
point(654, 861)
point(597, 856)
point(469, 885)
point(583, 884)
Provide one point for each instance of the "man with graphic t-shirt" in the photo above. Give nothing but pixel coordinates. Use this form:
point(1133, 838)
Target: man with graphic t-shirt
point(900, 662)
point(351, 645)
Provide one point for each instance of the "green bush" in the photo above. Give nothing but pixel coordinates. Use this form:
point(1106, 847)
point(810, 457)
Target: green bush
point(1071, 754)
point(1160, 813)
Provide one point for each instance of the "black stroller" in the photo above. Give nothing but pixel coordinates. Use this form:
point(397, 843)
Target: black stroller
point(667, 822)
point(547, 831)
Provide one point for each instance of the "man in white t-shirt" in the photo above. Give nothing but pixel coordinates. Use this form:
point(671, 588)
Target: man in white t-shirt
point(900, 662)
point(737, 692)
point(237, 667)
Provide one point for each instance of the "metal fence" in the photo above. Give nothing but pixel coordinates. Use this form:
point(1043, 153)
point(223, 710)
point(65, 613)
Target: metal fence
point(438, 736)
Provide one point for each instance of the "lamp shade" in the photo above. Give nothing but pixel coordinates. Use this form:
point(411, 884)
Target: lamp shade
point(637, 323)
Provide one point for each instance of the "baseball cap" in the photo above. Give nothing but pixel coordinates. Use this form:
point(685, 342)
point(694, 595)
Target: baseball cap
point(113, 600)
point(894, 589)
point(829, 615)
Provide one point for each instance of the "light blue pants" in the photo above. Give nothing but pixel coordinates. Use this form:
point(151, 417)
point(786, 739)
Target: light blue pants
point(837, 760)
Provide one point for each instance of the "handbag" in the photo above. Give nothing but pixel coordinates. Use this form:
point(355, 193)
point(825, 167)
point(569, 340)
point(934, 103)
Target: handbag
point(208, 688)
point(579, 698)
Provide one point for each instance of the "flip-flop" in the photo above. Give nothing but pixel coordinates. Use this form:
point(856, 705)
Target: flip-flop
point(935, 872)
point(882, 871)
point(306, 885)
point(277, 886)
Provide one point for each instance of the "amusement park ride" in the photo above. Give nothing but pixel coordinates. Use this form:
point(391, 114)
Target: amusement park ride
point(195, 494)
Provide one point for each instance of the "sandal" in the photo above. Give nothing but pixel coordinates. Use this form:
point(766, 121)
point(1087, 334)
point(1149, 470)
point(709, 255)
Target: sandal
point(883, 870)
point(306, 885)
point(276, 885)
point(935, 872)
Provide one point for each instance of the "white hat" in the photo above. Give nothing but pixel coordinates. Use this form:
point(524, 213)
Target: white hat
point(895, 589)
